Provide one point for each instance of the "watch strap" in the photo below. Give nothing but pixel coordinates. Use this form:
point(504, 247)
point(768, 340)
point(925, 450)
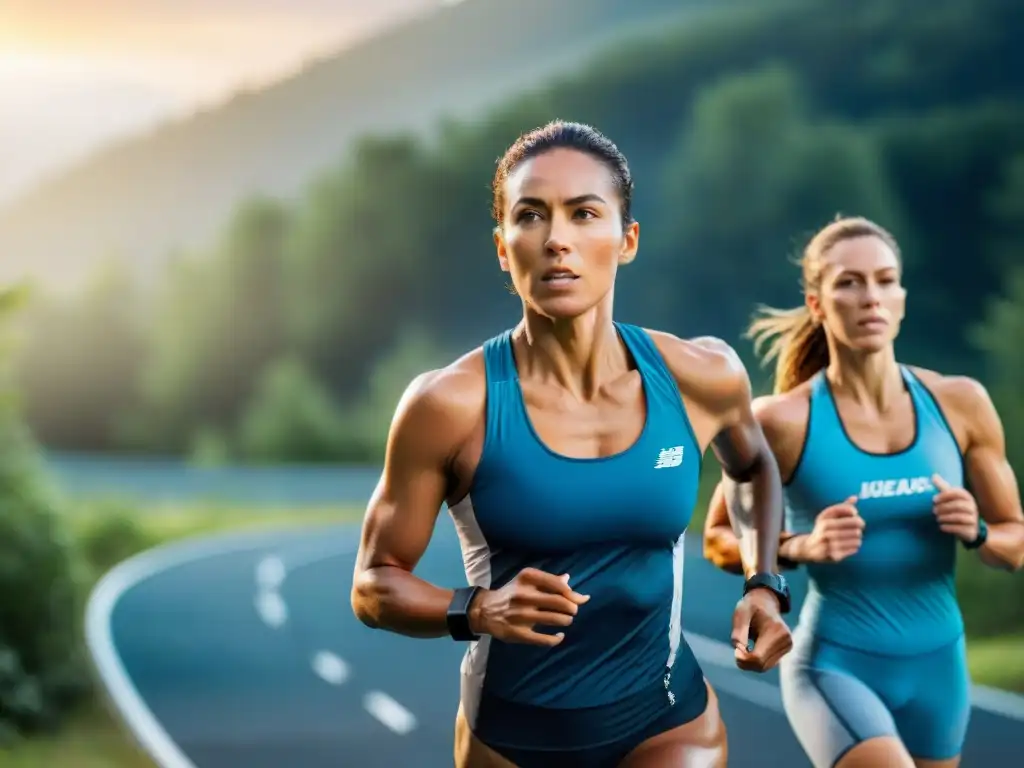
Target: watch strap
point(457, 617)
point(981, 538)
point(773, 582)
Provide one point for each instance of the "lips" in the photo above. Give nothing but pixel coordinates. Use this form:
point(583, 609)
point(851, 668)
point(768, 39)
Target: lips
point(873, 322)
point(559, 275)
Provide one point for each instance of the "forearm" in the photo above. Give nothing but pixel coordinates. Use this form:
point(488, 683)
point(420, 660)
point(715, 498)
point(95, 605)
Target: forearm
point(1004, 548)
point(793, 548)
point(395, 600)
point(756, 505)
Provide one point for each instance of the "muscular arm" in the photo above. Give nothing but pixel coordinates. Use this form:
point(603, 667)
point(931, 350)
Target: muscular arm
point(756, 510)
point(783, 421)
point(992, 481)
point(428, 427)
point(719, 382)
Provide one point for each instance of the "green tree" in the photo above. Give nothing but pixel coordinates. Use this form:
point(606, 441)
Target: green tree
point(292, 417)
point(1001, 339)
point(42, 671)
point(78, 361)
point(216, 325)
point(1006, 209)
point(358, 256)
point(413, 353)
point(750, 176)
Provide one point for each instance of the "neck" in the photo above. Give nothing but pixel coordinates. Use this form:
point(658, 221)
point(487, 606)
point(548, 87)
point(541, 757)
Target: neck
point(868, 378)
point(580, 353)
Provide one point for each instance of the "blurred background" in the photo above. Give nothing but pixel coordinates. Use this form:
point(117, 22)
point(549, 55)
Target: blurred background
point(232, 231)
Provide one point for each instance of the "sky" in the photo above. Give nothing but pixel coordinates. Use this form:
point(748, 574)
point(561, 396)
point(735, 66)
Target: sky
point(75, 74)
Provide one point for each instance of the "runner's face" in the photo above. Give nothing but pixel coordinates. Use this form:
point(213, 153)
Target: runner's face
point(862, 301)
point(563, 240)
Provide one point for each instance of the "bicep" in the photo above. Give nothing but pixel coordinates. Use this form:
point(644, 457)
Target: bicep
point(402, 512)
point(989, 474)
point(400, 518)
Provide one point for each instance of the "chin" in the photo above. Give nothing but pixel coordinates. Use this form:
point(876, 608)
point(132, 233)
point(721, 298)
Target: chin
point(561, 307)
point(872, 344)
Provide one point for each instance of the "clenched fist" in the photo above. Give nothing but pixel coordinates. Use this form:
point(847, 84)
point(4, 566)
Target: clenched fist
point(838, 532)
point(533, 597)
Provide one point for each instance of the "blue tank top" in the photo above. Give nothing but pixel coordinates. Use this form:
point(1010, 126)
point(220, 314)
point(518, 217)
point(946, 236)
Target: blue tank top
point(615, 524)
point(896, 595)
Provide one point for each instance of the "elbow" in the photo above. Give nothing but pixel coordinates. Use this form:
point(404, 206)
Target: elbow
point(712, 555)
point(1017, 562)
point(724, 557)
point(362, 600)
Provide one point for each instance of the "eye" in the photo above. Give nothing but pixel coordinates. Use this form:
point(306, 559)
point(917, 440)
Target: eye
point(527, 215)
point(585, 213)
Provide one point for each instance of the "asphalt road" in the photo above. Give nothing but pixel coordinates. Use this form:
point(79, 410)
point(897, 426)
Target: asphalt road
point(243, 651)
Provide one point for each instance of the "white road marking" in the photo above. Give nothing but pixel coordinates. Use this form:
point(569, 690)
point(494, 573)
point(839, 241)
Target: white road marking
point(998, 702)
point(330, 668)
point(272, 609)
point(99, 639)
point(270, 573)
point(711, 651)
point(392, 714)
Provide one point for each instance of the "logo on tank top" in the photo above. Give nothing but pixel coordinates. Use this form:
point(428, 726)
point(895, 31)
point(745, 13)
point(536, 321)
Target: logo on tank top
point(885, 489)
point(669, 457)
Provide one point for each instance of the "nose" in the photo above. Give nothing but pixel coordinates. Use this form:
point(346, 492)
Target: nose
point(557, 243)
point(872, 294)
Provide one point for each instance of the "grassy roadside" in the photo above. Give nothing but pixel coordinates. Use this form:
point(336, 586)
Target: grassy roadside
point(997, 661)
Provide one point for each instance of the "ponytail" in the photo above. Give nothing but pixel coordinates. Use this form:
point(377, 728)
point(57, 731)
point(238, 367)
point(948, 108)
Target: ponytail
point(795, 340)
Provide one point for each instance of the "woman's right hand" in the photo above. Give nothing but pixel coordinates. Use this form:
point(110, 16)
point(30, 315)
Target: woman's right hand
point(838, 532)
point(533, 597)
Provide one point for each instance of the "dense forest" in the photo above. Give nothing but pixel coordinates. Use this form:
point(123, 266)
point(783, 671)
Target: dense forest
point(291, 337)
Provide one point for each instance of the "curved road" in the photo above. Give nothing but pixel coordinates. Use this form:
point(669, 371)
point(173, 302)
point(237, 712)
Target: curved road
point(242, 650)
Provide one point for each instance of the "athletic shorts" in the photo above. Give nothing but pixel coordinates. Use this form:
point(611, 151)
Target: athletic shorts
point(534, 725)
point(836, 697)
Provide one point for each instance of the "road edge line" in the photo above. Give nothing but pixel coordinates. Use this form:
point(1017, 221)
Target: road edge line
point(99, 611)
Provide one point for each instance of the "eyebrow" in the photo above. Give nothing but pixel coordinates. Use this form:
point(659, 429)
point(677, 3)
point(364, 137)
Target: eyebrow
point(578, 200)
point(861, 273)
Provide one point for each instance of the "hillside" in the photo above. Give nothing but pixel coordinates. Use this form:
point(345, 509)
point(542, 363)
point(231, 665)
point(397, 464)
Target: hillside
point(144, 198)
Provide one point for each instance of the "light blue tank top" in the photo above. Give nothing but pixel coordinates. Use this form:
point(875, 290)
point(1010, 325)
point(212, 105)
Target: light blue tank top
point(896, 595)
point(615, 524)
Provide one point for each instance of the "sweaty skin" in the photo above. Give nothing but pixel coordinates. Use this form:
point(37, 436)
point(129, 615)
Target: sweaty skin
point(436, 441)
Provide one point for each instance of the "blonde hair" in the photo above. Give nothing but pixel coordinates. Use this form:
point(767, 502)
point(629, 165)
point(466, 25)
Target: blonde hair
point(794, 337)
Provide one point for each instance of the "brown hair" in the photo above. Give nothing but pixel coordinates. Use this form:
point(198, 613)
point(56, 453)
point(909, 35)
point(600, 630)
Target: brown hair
point(559, 134)
point(795, 339)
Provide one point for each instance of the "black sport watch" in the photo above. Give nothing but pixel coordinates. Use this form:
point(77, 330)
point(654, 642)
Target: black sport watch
point(981, 538)
point(774, 582)
point(457, 617)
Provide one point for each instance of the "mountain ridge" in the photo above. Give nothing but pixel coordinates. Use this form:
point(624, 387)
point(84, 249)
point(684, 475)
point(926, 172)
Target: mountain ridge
point(172, 188)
